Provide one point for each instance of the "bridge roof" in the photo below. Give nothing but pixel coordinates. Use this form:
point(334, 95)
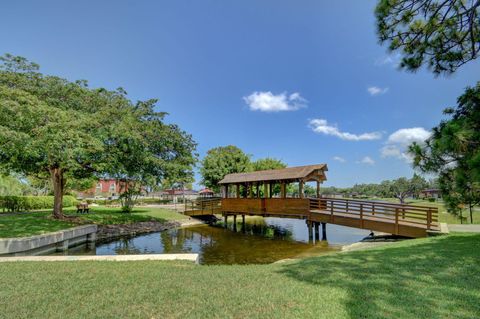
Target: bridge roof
point(290, 174)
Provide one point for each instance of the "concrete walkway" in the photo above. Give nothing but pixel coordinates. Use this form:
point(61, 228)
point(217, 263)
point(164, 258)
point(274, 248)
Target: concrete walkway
point(187, 257)
point(475, 228)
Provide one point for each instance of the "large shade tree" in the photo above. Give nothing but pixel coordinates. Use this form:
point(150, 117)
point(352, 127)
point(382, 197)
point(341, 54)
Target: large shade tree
point(221, 161)
point(52, 127)
point(453, 151)
point(267, 163)
point(443, 35)
point(147, 151)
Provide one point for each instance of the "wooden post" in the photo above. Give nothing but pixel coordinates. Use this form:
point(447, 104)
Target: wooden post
point(310, 230)
point(265, 190)
point(361, 215)
point(225, 218)
point(283, 190)
point(318, 189)
point(238, 190)
point(300, 189)
point(429, 219)
point(324, 231)
point(250, 190)
point(396, 221)
point(226, 191)
point(234, 223)
point(243, 223)
point(331, 212)
point(317, 231)
point(270, 190)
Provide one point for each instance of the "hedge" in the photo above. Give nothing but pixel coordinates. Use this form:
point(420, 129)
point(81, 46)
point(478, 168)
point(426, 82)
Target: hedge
point(29, 203)
point(139, 201)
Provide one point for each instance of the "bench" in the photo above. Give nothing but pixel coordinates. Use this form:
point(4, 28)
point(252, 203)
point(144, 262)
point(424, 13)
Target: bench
point(82, 208)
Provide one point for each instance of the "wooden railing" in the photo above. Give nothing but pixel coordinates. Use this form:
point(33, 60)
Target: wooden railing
point(296, 207)
point(420, 216)
point(205, 205)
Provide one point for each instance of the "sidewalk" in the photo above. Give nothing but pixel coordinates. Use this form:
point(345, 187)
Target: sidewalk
point(475, 228)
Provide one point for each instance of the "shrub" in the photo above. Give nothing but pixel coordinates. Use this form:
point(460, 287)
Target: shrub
point(126, 209)
point(29, 203)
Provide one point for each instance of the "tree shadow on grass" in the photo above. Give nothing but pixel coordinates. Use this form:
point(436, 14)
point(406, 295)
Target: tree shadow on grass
point(428, 278)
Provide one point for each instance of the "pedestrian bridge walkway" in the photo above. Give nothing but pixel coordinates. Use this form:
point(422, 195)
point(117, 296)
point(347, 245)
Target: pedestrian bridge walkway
point(264, 193)
point(397, 219)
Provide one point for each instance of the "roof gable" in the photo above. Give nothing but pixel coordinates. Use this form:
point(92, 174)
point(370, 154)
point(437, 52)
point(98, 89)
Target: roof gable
point(305, 173)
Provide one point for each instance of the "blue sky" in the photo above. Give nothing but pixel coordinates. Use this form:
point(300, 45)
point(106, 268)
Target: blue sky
point(302, 81)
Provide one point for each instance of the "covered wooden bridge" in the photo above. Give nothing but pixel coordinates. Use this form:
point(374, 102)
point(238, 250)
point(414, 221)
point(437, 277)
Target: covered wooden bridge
point(281, 193)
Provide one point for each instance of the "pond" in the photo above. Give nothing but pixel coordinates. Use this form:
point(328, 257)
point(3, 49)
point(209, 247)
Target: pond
point(264, 240)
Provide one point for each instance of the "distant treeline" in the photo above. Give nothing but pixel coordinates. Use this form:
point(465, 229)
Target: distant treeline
point(399, 188)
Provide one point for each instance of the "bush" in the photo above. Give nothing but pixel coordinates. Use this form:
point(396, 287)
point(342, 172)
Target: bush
point(29, 203)
point(126, 209)
point(431, 199)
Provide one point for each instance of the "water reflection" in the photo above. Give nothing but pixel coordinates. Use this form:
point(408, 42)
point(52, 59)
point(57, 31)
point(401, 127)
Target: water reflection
point(262, 240)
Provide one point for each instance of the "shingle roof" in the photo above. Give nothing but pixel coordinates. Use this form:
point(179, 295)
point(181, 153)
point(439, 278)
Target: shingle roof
point(283, 174)
point(206, 191)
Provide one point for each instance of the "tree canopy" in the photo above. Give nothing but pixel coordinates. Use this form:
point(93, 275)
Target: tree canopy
point(267, 163)
point(221, 161)
point(224, 160)
point(398, 188)
point(453, 151)
point(52, 127)
point(443, 35)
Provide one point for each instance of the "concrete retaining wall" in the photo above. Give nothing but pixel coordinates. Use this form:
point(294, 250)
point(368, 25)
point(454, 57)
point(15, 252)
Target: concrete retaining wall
point(45, 243)
point(187, 257)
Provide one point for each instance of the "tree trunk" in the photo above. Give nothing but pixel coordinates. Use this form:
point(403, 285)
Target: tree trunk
point(58, 182)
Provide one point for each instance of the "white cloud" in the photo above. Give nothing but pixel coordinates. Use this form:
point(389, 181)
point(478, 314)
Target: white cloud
point(367, 160)
point(375, 90)
point(339, 159)
point(321, 126)
point(398, 142)
point(393, 60)
point(269, 102)
point(406, 136)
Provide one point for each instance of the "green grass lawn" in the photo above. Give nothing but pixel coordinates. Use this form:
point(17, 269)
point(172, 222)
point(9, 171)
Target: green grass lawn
point(42, 222)
point(436, 277)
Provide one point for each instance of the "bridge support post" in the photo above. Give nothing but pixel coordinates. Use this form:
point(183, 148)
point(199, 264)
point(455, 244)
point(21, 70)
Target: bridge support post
point(310, 231)
point(324, 231)
point(225, 219)
point(234, 223)
point(243, 224)
point(317, 232)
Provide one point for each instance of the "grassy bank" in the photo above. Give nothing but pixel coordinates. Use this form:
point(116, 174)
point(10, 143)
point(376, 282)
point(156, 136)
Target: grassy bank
point(424, 278)
point(42, 222)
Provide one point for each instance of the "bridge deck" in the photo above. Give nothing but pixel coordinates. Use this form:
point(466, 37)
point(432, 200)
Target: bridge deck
point(398, 219)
